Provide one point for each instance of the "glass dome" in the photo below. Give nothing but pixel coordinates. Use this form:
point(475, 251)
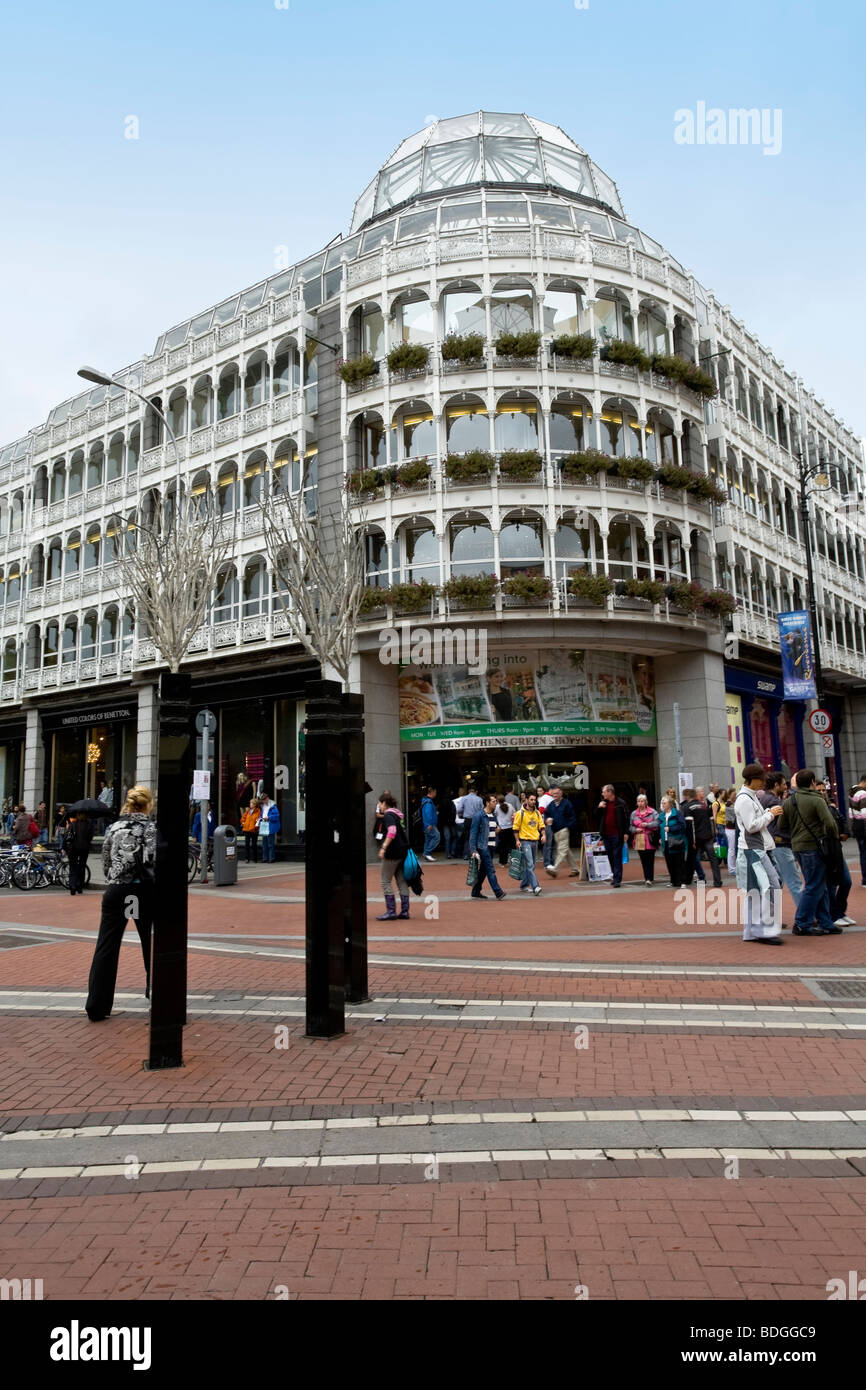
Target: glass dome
point(487, 147)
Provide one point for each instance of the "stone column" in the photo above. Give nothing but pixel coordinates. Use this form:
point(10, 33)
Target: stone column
point(34, 761)
point(147, 749)
point(696, 682)
point(383, 759)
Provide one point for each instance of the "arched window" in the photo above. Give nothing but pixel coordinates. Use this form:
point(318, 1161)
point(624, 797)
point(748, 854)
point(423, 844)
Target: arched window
point(471, 545)
point(76, 474)
point(89, 628)
point(40, 487)
point(515, 424)
point(311, 378)
point(769, 415)
point(70, 642)
point(254, 473)
point(466, 424)
point(371, 327)
point(684, 344)
point(740, 389)
point(620, 433)
point(652, 328)
point(521, 545)
point(153, 430)
point(627, 550)
point(95, 462)
point(58, 481)
point(562, 310)
point(511, 307)
point(734, 486)
point(109, 632)
point(613, 317)
point(763, 501)
point(177, 411)
point(571, 428)
point(693, 454)
point(200, 493)
point(114, 466)
point(227, 490)
point(413, 431)
point(13, 585)
point(463, 310)
point(255, 588)
point(285, 451)
point(420, 550)
point(114, 539)
point(668, 558)
point(33, 649)
point(381, 564)
point(369, 433)
point(128, 630)
point(750, 500)
point(256, 381)
point(781, 425)
point(226, 596)
point(36, 569)
point(228, 392)
point(287, 370)
point(54, 568)
point(576, 547)
point(16, 512)
point(661, 442)
point(412, 318)
point(201, 410)
point(133, 450)
point(10, 660)
point(51, 644)
point(755, 412)
point(92, 548)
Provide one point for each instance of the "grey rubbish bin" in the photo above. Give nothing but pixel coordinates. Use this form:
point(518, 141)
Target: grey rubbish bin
point(225, 856)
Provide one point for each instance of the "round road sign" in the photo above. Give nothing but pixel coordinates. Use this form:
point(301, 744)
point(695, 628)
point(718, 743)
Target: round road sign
point(205, 719)
point(820, 721)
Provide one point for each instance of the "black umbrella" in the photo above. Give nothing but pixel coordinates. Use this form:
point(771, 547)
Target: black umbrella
point(92, 808)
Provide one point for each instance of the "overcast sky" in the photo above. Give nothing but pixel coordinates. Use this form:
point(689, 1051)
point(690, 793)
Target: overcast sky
point(258, 126)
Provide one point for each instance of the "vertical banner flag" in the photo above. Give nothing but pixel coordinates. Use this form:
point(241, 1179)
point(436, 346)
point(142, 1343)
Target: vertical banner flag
point(798, 665)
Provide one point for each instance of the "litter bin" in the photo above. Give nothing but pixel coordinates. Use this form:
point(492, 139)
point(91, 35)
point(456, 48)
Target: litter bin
point(225, 856)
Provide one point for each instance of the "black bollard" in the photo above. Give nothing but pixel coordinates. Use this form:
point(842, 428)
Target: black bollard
point(326, 963)
point(352, 842)
point(169, 949)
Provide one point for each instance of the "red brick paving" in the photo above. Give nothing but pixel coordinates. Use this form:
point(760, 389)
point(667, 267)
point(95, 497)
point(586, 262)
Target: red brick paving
point(667, 1238)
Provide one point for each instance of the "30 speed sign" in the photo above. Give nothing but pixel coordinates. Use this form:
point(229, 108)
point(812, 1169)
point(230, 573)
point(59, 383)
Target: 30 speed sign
point(820, 721)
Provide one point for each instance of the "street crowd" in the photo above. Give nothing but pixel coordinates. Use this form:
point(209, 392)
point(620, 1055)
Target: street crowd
point(770, 835)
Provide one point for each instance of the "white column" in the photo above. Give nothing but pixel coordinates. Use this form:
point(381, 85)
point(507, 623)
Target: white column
point(34, 761)
point(147, 748)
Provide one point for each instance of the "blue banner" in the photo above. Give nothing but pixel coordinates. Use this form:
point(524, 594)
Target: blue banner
point(798, 662)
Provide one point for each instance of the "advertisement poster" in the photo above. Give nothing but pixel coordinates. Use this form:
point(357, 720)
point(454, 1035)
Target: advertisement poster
point(556, 697)
point(595, 865)
point(798, 665)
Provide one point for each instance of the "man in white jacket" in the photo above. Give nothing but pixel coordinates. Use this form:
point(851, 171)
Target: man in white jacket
point(757, 879)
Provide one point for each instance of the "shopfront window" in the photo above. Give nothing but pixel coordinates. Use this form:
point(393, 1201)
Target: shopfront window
point(787, 729)
point(762, 738)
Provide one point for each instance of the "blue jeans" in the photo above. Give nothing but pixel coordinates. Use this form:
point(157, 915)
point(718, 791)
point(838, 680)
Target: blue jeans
point(861, 845)
point(485, 870)
point(449, 833)
point(549, 849)
point(529, 848)
point(42, 838)
point(613, 850)
point(814, 904)
point(786, 866)
point(431, 838)
point(268, 845)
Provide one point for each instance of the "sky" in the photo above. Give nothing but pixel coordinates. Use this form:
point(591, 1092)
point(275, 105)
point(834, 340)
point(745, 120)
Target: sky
point(259, 122)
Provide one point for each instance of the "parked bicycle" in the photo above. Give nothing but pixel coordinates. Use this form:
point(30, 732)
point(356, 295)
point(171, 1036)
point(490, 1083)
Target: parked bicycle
point(193, 860)
point(34, 869)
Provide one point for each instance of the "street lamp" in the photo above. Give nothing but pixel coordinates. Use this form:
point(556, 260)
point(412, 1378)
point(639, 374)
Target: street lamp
point(816, 473)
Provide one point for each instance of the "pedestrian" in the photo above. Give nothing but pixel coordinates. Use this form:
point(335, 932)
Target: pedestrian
point(806, 818)
point(774, 793)
point(250, 826)
point(395, 843)
point(718, 807)
point(211, 826)
point(703, 836)
point(504, 820)
point(513, 800)
point(460, 827)
point(430, 822)
point(482, 843)
point(674, 840)
point(731, 831)
point(757, 879)
point(42, 823)
point(24, 830)
point(447, 820)
point(77, 840)
point(472, 804)
point(60, 825)
point(528, 826)
point(547, 845)
point(269, 828)
point(128, 859)
point(561, 821)
point(613, 828)
point(838, 875)
point(857, 806)
point(643, 835)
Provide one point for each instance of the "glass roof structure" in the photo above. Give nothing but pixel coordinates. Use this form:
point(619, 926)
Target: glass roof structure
point(486, 147)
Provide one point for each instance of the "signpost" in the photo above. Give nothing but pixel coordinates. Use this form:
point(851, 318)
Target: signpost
point(206, 724)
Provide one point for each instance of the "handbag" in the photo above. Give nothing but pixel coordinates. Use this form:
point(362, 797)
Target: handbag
point(829, 846)
point(516, 863)
point(472, 872)
point(411, 866)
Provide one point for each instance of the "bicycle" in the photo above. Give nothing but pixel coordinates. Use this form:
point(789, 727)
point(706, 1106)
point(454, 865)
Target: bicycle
point(193, 861)
point(32, 869)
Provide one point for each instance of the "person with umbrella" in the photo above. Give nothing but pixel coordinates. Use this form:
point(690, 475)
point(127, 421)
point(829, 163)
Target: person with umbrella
point(78, 839)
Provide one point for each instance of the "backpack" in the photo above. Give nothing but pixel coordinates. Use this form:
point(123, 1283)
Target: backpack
point(411, 866)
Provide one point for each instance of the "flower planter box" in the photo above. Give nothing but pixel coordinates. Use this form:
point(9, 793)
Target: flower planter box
point(408, 374)
point(353, 387)
point(512, 601)
point(516, 480)
point(517, 363)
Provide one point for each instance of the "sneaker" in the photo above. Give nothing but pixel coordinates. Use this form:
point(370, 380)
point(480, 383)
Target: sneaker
point(526, 890)
point(480, 897)
point(849, 921)
point(429, 858)
point(536, 891)
point(806, 931)
point(842, 922)
point(500, 895)
point(830, 931)
point(647, 883)
point(550, 870)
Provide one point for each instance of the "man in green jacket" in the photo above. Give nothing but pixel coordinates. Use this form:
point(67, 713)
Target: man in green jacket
point(806, 818)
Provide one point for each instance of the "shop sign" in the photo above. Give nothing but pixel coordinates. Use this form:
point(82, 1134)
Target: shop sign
point(555, 698)
point(99, 716)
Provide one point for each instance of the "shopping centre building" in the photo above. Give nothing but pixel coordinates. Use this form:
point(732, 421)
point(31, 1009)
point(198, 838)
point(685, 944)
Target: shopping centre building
point(564, 450)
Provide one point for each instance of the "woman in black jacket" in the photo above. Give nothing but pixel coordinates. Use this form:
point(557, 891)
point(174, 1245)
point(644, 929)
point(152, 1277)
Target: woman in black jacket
point(77, 841)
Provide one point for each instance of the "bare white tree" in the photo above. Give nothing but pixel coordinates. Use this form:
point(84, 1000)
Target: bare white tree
point(317, 560)
point(171, 570)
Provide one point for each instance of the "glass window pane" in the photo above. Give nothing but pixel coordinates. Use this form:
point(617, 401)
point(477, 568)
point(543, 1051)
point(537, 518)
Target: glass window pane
point(504, 123)
point(347, 249)
point(512, 161)
point(398, 182)
point(509, 210)
point(378, 236)
point(417, 224)
point(225, 312)
point(567, 170)
point(598, 224)
point(455, 215)
point(449, 166)
point(554, 214)
point(455, 127)
point(464, 312)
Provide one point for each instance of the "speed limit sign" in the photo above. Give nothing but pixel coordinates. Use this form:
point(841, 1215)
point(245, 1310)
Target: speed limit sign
point(820, 721)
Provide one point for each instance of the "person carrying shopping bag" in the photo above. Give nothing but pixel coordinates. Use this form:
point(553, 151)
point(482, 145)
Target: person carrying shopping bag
point(250, 826)
point(528, 828)
point(269, 828)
